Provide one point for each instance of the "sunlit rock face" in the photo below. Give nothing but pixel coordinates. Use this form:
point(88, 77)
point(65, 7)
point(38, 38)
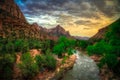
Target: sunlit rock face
point(79, 17)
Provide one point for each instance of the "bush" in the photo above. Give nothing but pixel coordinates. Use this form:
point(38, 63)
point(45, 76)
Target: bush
point(46, 61)
point(59, 49)
point(6, 66)
point(34, 44)
point(10, 47)
point(99, 48)
point(28, 66)
point(41, 61)
point(109, 59)
point(63, 45)
point(50, 62)
point(82, 43)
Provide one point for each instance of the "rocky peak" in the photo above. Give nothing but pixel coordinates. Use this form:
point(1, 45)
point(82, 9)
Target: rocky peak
point(8, 10)
point(59, 31)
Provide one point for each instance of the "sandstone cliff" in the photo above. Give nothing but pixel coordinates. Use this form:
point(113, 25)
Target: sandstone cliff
point(14, 25)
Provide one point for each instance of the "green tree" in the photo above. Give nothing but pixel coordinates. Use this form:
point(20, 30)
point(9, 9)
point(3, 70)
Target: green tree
point(82, 43)
point(28, 66)
point(109, 59)
point(59, 49)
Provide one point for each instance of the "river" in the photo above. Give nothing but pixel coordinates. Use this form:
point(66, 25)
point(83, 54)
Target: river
point(84, 69)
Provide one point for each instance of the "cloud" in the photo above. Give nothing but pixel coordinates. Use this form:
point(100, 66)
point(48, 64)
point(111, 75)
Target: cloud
point(80, 17)
point(81, 22)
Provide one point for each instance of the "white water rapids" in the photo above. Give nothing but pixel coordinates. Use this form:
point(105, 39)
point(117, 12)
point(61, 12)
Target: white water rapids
point(84, 69)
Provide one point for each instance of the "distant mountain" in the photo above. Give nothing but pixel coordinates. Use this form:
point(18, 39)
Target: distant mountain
point(14, 25)
point(101, 33)
point(59, 31)
point(81, 38)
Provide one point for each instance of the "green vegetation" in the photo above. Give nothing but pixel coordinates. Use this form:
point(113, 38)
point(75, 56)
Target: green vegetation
point(28, 66)
point(64, 45)
point(110, 60)
point(6, 66)
point(99, 48)
point(46, 61)
point(82, 44)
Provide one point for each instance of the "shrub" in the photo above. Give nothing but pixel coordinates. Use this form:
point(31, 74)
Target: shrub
point(63, 45)
point(34, 44)
point(59, 49)
point(46, 61)
point(28, 66)
point(41, 61)
point(50, 61)
point(82, 43)
point(6, 66)
point(110, 60)
point(10, 47)
point(90, 50)
point(99, 48)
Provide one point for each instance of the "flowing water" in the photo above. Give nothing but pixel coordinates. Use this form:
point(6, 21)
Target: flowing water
point(84, 69)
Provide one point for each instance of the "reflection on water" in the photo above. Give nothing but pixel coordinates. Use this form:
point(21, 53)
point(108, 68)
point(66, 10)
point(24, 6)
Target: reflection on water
point(84, 69)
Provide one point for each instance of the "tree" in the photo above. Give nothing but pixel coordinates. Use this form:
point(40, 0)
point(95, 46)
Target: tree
point(82, 43)
point(109, 59)
point(99, 48)
point(28, 66)
point(59, 49)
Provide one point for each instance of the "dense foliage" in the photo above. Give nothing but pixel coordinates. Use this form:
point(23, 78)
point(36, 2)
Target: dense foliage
point(46, 61)
point(64, 45)
point(82, 44)
point(6, 66)
point(28, 66)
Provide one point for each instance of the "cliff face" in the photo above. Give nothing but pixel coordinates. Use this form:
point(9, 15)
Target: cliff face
point(14, 25)
point(100, 35)
point(102, 32)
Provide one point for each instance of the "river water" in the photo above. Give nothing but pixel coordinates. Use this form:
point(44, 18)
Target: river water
point(84, 69)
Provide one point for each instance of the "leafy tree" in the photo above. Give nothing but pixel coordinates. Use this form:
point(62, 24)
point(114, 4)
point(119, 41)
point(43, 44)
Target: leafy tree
point(64, 45)
point(59, 49)
point(99, 48)
point(46, 61)
point(82, 43)
point(28, 66)
point(50, 61)
point(34, 44)
point(109, 59)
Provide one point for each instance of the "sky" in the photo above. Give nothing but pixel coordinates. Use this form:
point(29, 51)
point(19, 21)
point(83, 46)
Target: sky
point(79, 17)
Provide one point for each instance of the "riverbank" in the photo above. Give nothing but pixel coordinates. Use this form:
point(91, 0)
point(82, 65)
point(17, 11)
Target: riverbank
point(59, 71)
point(105, 72)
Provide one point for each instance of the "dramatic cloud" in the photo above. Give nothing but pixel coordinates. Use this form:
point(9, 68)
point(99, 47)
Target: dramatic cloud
point(79, 17)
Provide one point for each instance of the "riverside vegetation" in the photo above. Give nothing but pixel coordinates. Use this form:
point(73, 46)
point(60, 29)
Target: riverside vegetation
point(29, 65)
